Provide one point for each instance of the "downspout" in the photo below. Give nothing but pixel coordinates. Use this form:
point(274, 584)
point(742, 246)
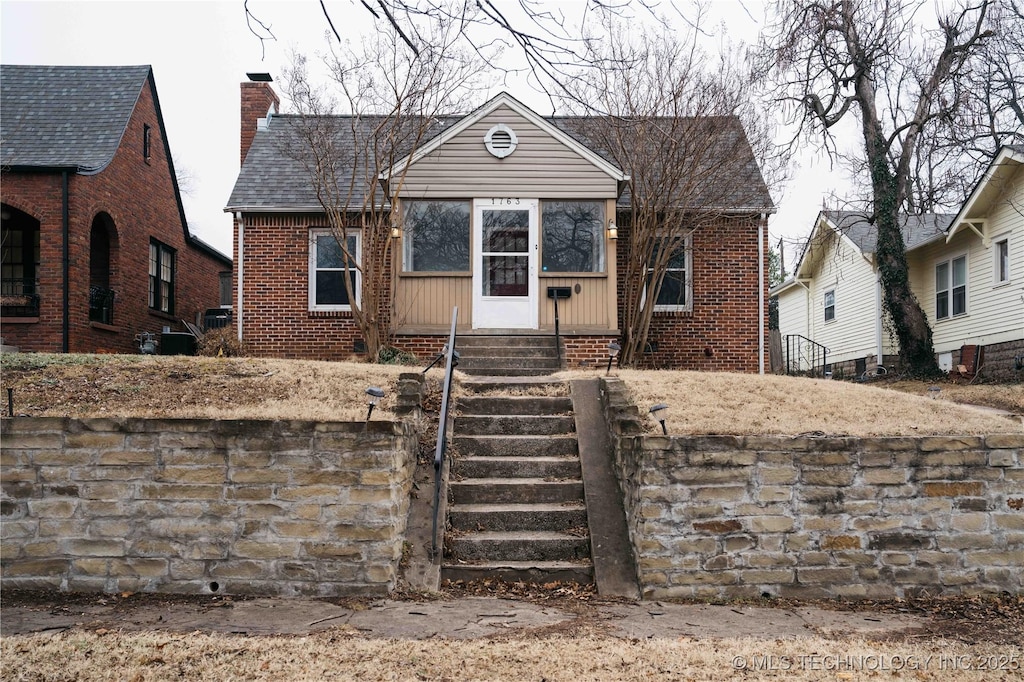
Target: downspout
point(880, 357)
point(65, 217)
point(760, 292)
point(239, 267)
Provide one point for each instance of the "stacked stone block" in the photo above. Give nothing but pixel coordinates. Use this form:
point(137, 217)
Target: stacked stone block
point(200, 506)
point(874, 518)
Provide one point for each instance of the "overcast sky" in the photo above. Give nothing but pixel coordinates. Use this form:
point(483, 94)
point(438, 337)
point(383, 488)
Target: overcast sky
point(200, 51)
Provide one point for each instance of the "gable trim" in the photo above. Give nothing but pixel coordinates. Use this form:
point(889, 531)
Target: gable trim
point(526, 112)
point(1005, 156)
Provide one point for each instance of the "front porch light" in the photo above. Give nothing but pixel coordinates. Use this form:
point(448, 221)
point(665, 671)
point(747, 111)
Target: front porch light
point(659, 412)
point(613, 231)
point(396, 231)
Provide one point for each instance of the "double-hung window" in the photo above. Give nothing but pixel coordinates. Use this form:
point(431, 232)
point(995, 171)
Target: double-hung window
point(830, 305)
point(161, 277)
point(327, 271)
point(1001, 268)
point(573, 236)
point(676, 292)
point(951, 288)
point(436, 236)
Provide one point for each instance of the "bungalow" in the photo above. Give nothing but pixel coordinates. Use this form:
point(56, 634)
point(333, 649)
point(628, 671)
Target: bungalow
point(96, 248)
point(965, 270)
point(501, 208)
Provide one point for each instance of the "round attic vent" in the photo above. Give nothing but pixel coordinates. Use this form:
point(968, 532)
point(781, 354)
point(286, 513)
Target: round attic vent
point(500, 141)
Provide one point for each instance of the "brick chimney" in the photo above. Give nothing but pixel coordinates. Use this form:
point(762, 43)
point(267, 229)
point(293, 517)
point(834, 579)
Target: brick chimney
point(258, 101)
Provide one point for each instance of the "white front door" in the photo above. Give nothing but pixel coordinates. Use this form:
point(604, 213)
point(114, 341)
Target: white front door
point(505, 247)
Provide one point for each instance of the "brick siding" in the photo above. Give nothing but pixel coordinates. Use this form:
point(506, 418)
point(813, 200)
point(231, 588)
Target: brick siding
point(139, 199)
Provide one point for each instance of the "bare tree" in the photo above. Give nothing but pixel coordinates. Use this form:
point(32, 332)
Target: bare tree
point(675, 123)
point(382, 104)
point(906, 82)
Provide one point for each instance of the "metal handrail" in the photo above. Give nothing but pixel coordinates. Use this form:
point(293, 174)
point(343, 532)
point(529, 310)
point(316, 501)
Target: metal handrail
point(814, 348)
point(442, 426)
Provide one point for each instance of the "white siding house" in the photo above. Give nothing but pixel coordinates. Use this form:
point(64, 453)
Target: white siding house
point(967, 272)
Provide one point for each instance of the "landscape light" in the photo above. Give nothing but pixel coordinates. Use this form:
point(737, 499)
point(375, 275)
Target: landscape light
point(375, 395)
point(659, 412)
point(613, 351)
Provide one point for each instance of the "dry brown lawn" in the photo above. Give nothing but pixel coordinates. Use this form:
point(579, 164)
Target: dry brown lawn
point(69, 385)
point(341, 655)
point(744, 404)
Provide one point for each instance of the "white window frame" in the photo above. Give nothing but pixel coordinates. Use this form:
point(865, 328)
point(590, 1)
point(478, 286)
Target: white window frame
point(949, 286)
point(315, 232)
point(1002, 241)
point(663, 308)
point(825, 306)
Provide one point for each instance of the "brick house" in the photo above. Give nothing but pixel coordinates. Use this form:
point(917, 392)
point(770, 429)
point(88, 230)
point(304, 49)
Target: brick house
point(501, 165)
point(96, 247)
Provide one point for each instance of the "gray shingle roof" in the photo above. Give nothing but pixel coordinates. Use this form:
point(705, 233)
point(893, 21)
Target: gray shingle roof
point(916, 229)
point(66, 116)
point(273, 175)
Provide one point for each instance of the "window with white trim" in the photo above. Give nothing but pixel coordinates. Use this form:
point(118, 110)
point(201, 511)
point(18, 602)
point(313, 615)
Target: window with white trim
point(829, 303)
point(436, 236)
point(676, 292)
point(327, 270)
point(161, 277)
point(951, 288)
point(1002, 261)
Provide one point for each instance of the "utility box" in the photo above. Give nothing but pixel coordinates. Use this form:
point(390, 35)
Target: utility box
point(177, 343)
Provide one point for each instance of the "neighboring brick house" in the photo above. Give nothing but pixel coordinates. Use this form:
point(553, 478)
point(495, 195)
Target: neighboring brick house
point(487, 203)
point(95, 244)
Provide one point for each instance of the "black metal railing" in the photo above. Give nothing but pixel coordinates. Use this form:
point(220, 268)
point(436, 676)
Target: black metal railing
point(442, 427)
point(19, 297)
point(101, 305)
point(804, 356)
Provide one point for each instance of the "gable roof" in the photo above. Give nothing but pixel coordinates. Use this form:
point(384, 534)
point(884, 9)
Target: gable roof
point(66, 116)
point(858, 228)
point(1006, 161)
point(505, 99)
point(274, 179)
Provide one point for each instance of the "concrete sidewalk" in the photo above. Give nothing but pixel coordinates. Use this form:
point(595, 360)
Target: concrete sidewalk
point(459, 618)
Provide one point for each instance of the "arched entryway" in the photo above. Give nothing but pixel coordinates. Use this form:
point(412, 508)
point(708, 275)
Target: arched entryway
point(19, 264)
point(102, 257)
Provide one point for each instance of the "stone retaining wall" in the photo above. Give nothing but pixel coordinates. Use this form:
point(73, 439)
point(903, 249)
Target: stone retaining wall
point(199, 506)
point(729, 516)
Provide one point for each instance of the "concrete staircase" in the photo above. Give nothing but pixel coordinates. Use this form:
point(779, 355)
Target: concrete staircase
point(507, 355)
point(518, 510)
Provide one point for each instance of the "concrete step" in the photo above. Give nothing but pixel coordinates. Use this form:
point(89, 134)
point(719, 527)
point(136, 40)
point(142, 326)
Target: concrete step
point(508, 371)
point(535, 384)
point(540, 467)
point(511, 517)
point(507, 362)
point(519, 546)
point(527, 404)
point(515, 446)
point(514, 425)
point(518, 490)
point(504, 341)
point(517, 352)
point(537, 572)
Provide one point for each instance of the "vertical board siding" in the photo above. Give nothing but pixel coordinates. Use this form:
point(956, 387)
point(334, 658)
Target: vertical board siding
point(587, 309)
point(541, 166)
point(428, 301)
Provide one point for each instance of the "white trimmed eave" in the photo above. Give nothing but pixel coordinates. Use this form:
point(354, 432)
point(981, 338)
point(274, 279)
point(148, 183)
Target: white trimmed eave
point(511, 102)
point(317, 208)
point(977, 204)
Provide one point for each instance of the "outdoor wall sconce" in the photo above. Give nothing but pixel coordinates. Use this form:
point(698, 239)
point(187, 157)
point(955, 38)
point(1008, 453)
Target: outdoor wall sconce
point(613, 231)
point(613, 352)
point(375, 395)
point(396, 231)
point(659, 412)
